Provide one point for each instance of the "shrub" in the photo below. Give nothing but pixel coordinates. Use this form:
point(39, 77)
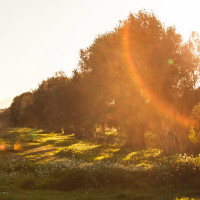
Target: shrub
point(28, 183)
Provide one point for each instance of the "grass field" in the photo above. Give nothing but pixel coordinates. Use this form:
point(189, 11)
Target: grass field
point(35, 164)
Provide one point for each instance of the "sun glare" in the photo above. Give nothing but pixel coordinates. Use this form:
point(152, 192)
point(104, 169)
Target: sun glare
point(17, 146)
point(2, 147)
point(163, 109)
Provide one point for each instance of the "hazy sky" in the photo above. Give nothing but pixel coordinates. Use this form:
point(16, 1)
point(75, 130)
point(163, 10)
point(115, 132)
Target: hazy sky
point(40, 37)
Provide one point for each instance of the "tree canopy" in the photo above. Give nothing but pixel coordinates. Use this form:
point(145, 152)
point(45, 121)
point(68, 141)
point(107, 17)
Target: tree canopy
point(140, 76)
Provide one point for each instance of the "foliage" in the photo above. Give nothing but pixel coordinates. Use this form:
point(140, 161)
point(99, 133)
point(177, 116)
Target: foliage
point(130, 70)
point(195, 114)
point(193, 136)
point(18, 109)
point(125, 174)
point(139, 77)
point(195, 140)
point(4, 118)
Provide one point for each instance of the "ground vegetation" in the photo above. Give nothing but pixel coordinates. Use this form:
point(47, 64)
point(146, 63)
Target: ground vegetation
point(137, 78)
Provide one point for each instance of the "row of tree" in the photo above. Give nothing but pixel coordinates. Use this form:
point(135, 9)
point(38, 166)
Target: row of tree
point(140, 76)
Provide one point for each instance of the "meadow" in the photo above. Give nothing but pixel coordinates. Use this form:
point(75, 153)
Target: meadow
point(37, 164)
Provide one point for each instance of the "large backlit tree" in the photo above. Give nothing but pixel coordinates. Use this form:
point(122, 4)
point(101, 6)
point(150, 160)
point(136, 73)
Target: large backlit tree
point(143, 68)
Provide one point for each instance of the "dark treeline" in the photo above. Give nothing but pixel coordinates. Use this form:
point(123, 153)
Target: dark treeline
point(140, 77)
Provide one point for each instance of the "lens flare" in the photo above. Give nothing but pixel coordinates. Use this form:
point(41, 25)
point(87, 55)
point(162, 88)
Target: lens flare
point(33, 135)
point(2, 147)
point(159, 105)
point(170, 62)
point(17, 146)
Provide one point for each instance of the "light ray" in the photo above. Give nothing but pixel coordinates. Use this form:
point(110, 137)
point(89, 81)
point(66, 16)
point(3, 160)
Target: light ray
point(162, 108)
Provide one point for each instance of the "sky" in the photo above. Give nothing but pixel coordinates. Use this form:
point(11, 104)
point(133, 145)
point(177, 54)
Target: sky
point(41, 37)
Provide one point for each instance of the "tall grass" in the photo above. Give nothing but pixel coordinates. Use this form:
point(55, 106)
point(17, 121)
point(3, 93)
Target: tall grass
point(58, 162)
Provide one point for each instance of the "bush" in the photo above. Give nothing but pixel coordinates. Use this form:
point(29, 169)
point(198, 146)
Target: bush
point(194, 139)
point(28, 183)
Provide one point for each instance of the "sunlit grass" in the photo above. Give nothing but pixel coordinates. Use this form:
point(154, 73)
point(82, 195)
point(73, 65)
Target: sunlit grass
point(143, 155)
point(79, 148)
point(42, 160)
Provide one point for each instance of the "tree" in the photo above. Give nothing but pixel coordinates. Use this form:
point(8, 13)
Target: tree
point(17, 115)
point(140, 66)
point(41, 107)
point(66, 105)
point(4, 118)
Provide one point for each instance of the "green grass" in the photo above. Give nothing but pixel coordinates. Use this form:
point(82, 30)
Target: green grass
point(41, 165)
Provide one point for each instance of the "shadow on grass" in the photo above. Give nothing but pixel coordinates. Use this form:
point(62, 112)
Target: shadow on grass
point(88, 152)
point(38, 159)
point(39, 150)
point(66, 142)
point(48, 142)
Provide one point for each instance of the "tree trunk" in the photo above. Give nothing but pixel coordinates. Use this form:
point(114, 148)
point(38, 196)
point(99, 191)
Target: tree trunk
point(104, 133)
point(135, 137)
point(175, 139)
point(78, 132)
point(120, 135)
point(96, 135)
